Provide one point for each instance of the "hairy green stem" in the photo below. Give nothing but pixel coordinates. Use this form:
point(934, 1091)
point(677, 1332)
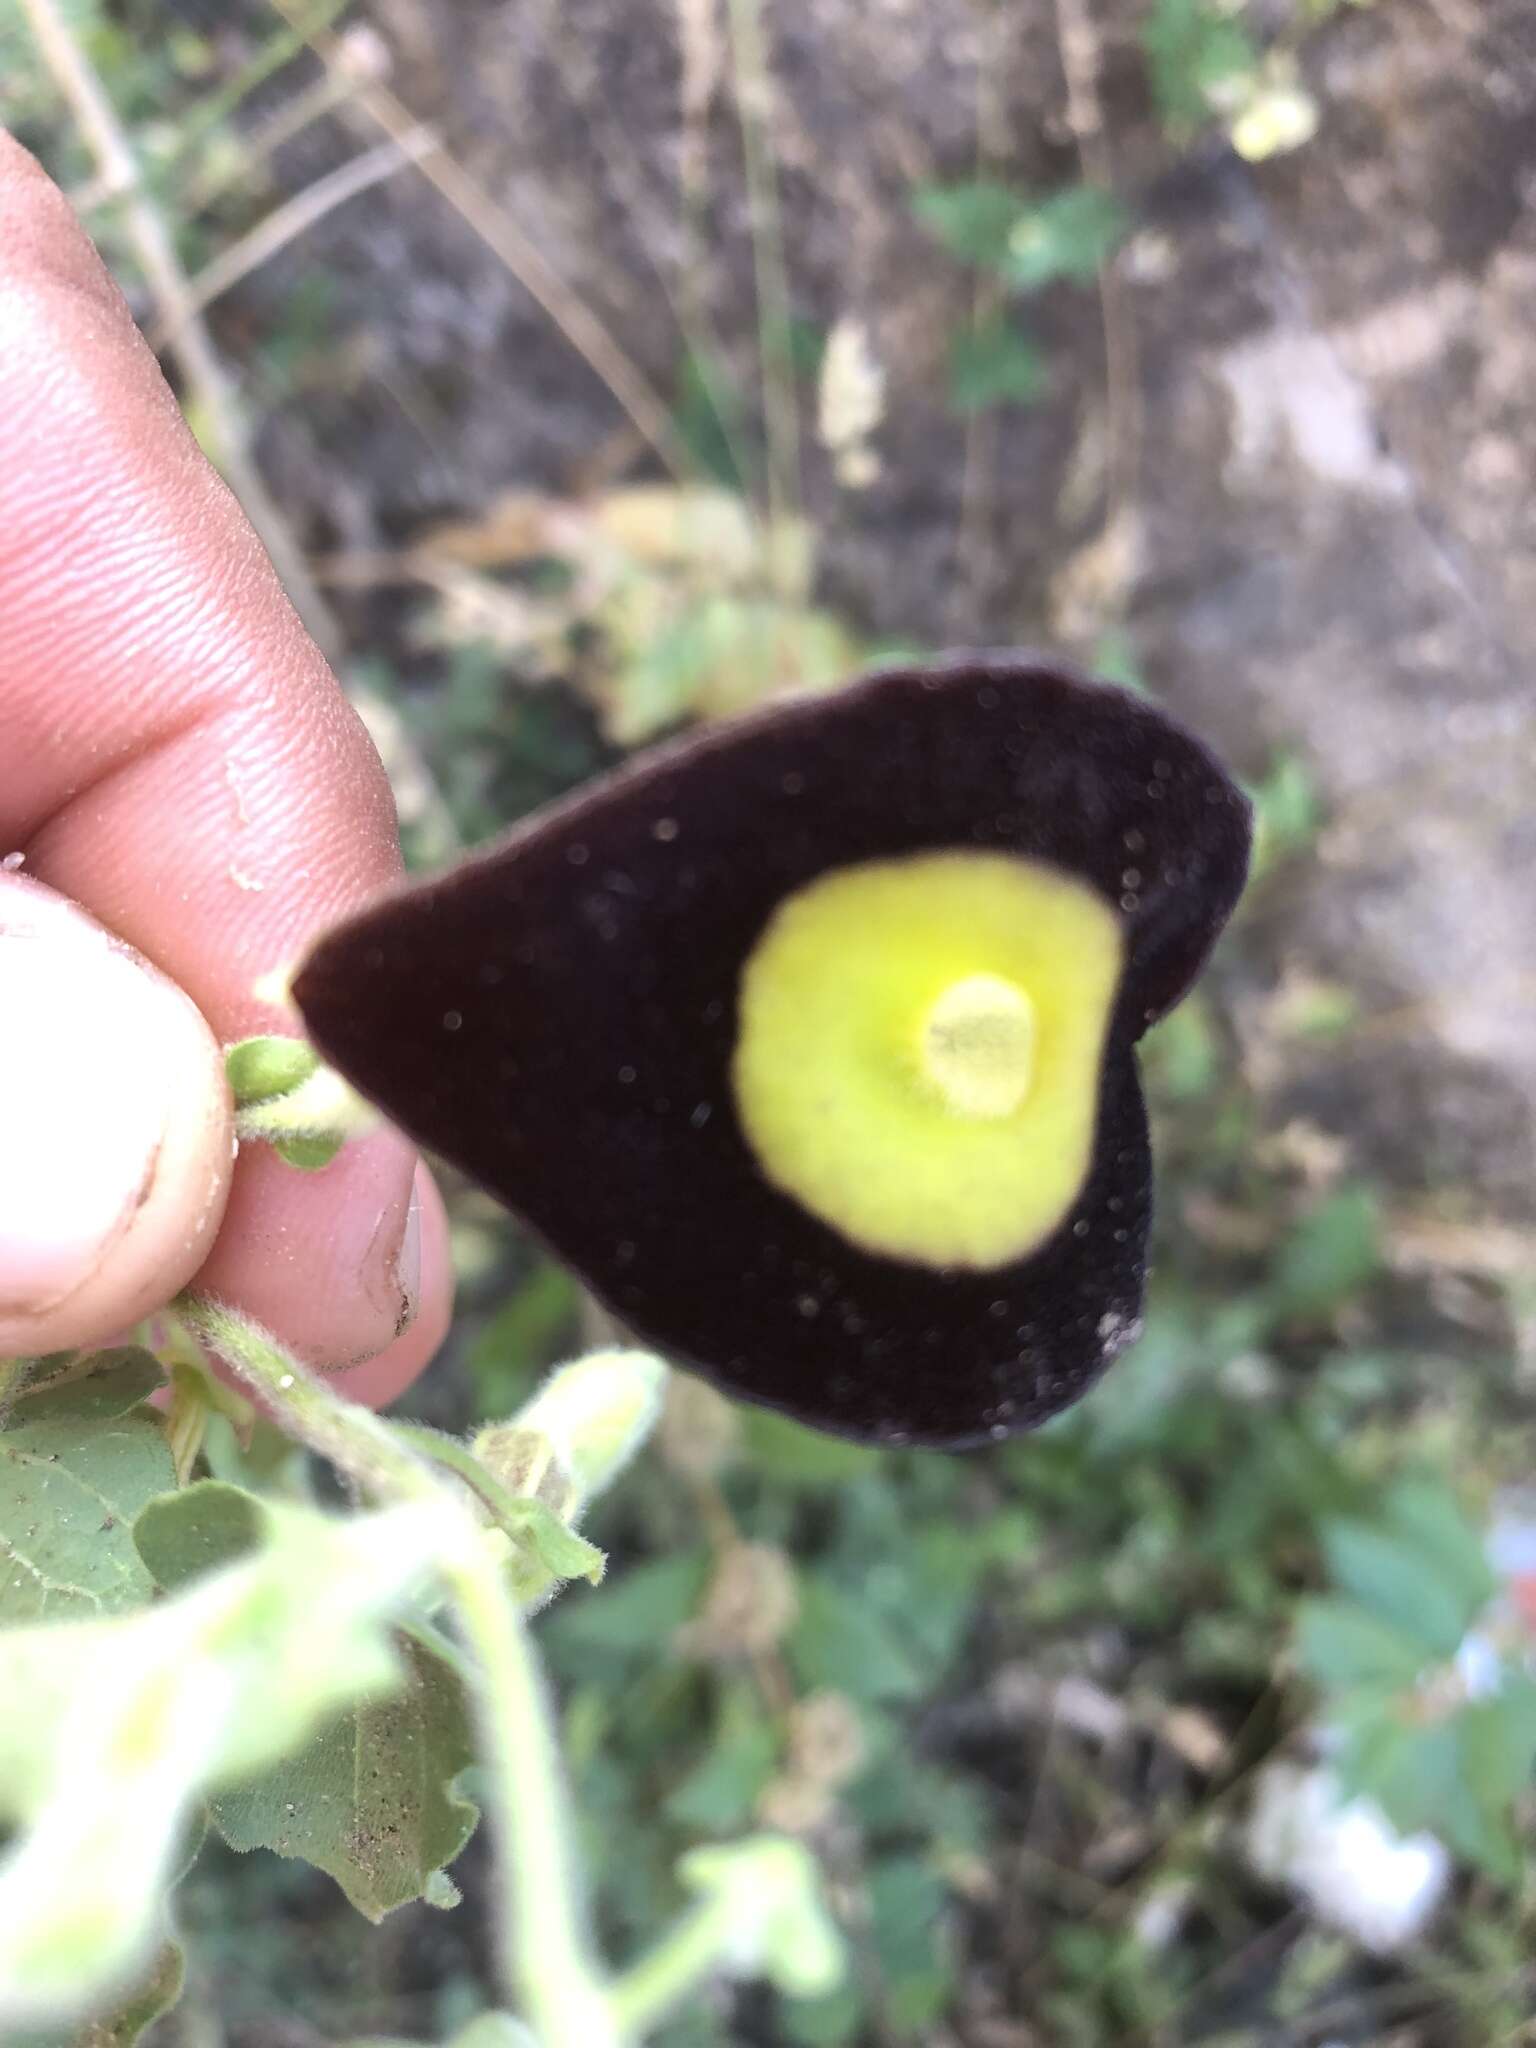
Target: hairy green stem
point(446, 1451)
point(352, 1437)
point(685, 1957)
point(545, 1955)
point(321, 1106)
point(545, 1952)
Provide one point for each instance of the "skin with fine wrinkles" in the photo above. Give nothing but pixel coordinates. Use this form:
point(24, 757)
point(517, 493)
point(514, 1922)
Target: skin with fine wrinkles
point(177, 757)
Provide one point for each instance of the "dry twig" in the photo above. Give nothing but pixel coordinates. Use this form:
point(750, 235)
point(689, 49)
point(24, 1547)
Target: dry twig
point(978, 487)
point(754, 102)
point(507, 241)
point(1079, 46)
point(286, 223)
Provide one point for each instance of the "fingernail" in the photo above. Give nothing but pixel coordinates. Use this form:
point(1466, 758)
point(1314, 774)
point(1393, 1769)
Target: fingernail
point(84, 1101)
point(408, 1264)
point(392, 1267)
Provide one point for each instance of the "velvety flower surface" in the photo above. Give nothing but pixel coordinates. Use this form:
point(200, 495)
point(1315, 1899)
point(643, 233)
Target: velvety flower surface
point(808, 1042)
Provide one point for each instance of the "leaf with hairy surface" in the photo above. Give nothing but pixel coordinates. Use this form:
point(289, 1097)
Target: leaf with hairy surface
point(77, 1463)
point(369, 1799)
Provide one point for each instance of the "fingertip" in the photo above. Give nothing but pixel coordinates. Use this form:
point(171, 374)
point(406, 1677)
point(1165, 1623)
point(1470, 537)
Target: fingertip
point(385, 1378)
point(321, 1259)
point(117, 1128)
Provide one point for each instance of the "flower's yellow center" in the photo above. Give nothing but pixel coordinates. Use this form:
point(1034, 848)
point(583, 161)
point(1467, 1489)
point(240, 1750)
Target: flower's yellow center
point(978, 1045)
point(918, 1051)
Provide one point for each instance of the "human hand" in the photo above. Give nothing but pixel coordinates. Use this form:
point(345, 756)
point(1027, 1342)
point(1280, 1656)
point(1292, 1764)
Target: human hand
point(177, 762)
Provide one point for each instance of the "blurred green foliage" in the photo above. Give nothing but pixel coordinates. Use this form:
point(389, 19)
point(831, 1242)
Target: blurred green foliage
point(1268, 1520)
point(1026, 244)
point(1195, 49)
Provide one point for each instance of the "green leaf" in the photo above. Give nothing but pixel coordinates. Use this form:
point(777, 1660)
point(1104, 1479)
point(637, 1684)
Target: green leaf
point(370, 1799)
point(1193, 47)
point(521, 1340)
point(1491, 1842)
point(1331, 1255)
point(1342, 1646)
point(77, 1463)
point(711, 421)
point(137, 2010)
point(182, 1535)
point(1496, 1748)
point(798, 344)
point(724, 653)
point(1287, 812)
point(1427, 1515)
point(115, 1728)
point(828, 2022)
point(839, 1642)
point(907, 1903)
point(637, 1612)
point(558, 1552)
point(994, 364)
point(1116, 659)
point(1419, 1567)
point(1065, 237)
point(495, 1468)
point(309, 1155)
point(95, 1385)
point(790, 1455)
point(718, 1796)
point(307, 1121)
point(973, 220)
point(259, 1068)
point(1499, 1736)
point(1182, 1054)
point(1408, 1770)
point(767, 1892)
point(1387, 1578)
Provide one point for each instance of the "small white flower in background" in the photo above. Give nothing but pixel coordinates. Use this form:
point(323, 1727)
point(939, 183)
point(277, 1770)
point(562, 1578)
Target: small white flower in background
point(1160, 1918)
point(1479, 1667)
point(1274, 124)
point(1277, 113)
point(1512, 1535)
point(362, 56)
point(1508, 1631)
point(1343, 1858)
point(850, 403)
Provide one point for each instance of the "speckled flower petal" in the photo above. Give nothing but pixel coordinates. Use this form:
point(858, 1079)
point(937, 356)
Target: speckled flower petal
point(557, 1017)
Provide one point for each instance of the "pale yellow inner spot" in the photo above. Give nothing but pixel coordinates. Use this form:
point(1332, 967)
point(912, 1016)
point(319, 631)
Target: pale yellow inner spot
point(978, 1046)
point(918, 1051)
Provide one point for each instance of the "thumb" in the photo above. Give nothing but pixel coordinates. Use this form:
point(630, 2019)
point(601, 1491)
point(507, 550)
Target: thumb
point(115, 1129)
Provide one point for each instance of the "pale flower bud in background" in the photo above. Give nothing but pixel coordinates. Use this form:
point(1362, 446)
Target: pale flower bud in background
point(851, 403)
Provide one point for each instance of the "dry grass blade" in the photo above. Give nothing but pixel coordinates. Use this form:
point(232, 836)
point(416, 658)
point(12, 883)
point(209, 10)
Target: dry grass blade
point(367, 64)
point(754, 99)
point(287, 223)
point(208, 384)
point(973, 586)
point(1079, 45)
point(508, 242)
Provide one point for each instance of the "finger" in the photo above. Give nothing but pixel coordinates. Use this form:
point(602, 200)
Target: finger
point(177, 755)
point(116, 1123)
point(385, 1378)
